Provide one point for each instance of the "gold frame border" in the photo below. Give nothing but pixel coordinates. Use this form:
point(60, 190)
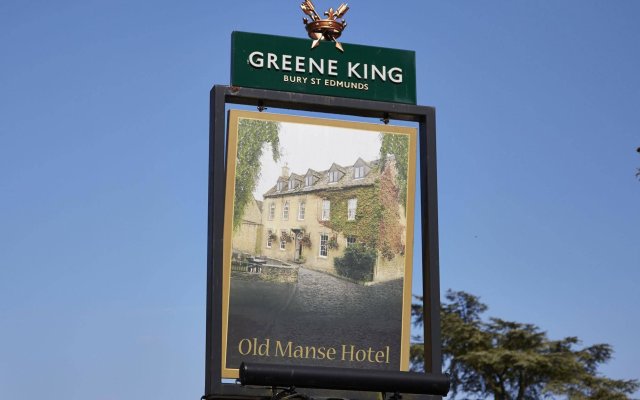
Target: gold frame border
point(233, 119)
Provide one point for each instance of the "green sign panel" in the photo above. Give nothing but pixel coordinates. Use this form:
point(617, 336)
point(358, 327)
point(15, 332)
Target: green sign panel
point(289, 64)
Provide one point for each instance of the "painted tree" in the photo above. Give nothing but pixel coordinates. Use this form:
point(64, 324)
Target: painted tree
point(254, 136)
point(397, 145)
point(390, 229)
point(505, 360)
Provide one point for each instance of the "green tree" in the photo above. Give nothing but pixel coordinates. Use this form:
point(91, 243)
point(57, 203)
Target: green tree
point(390, 229)
point(398, 146)
point(509, 360)
point(357, 263)
point(253, 137)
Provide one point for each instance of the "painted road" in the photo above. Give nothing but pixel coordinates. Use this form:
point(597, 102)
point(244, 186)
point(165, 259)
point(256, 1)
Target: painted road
point(319, 313)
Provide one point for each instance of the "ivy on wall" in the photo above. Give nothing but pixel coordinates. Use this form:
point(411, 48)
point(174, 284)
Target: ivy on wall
point(366, 226)
point(398, 146)
point(377, 222)
point(390, 228)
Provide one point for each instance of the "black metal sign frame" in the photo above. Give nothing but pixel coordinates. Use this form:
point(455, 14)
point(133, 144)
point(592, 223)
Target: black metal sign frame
point(222, 95)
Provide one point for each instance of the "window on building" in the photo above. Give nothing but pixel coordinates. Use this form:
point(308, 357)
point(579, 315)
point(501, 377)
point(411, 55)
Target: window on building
point(333, 176)
point(280, 186)
point(285, 210)
point(324, 241)
point(283, 242)
point(301, 210)
point(326, 210)
point(292, 184)
point(351, 209)
point(358, 172)
point(272, 211)
point(308, 180)
point(269, 241)
point(351, 240)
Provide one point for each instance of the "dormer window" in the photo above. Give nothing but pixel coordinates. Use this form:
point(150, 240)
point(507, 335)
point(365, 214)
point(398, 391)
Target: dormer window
point(280, 186)
point(360, 169)
point(308, 181)
point(334, 176)
point(335, 173)
point(292, 184)
point(310, 178)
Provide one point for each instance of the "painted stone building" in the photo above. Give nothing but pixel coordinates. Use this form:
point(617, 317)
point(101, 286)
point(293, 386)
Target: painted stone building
point(310, 218)
point(247, 237)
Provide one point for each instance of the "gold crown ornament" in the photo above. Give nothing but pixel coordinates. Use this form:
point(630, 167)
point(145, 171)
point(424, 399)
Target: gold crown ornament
point(329, 28)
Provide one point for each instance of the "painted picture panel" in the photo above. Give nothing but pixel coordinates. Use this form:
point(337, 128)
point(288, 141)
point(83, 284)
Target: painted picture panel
point(318, 244)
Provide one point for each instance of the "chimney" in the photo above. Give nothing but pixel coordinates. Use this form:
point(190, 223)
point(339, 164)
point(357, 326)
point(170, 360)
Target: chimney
point(285, 171)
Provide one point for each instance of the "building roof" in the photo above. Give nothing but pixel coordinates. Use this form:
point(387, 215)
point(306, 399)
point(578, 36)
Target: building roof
point(337, 167)
point(314, 173)
point(346, 181)
point(296, 177)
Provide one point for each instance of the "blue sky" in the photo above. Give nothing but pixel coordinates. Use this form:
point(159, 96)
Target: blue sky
point(103, 174)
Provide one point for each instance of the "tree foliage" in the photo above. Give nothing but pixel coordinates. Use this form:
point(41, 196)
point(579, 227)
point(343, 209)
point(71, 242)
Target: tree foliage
point(253, 137)
point(391, 230)
point(509, 360)
point(357, 263)
point(398, 146)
